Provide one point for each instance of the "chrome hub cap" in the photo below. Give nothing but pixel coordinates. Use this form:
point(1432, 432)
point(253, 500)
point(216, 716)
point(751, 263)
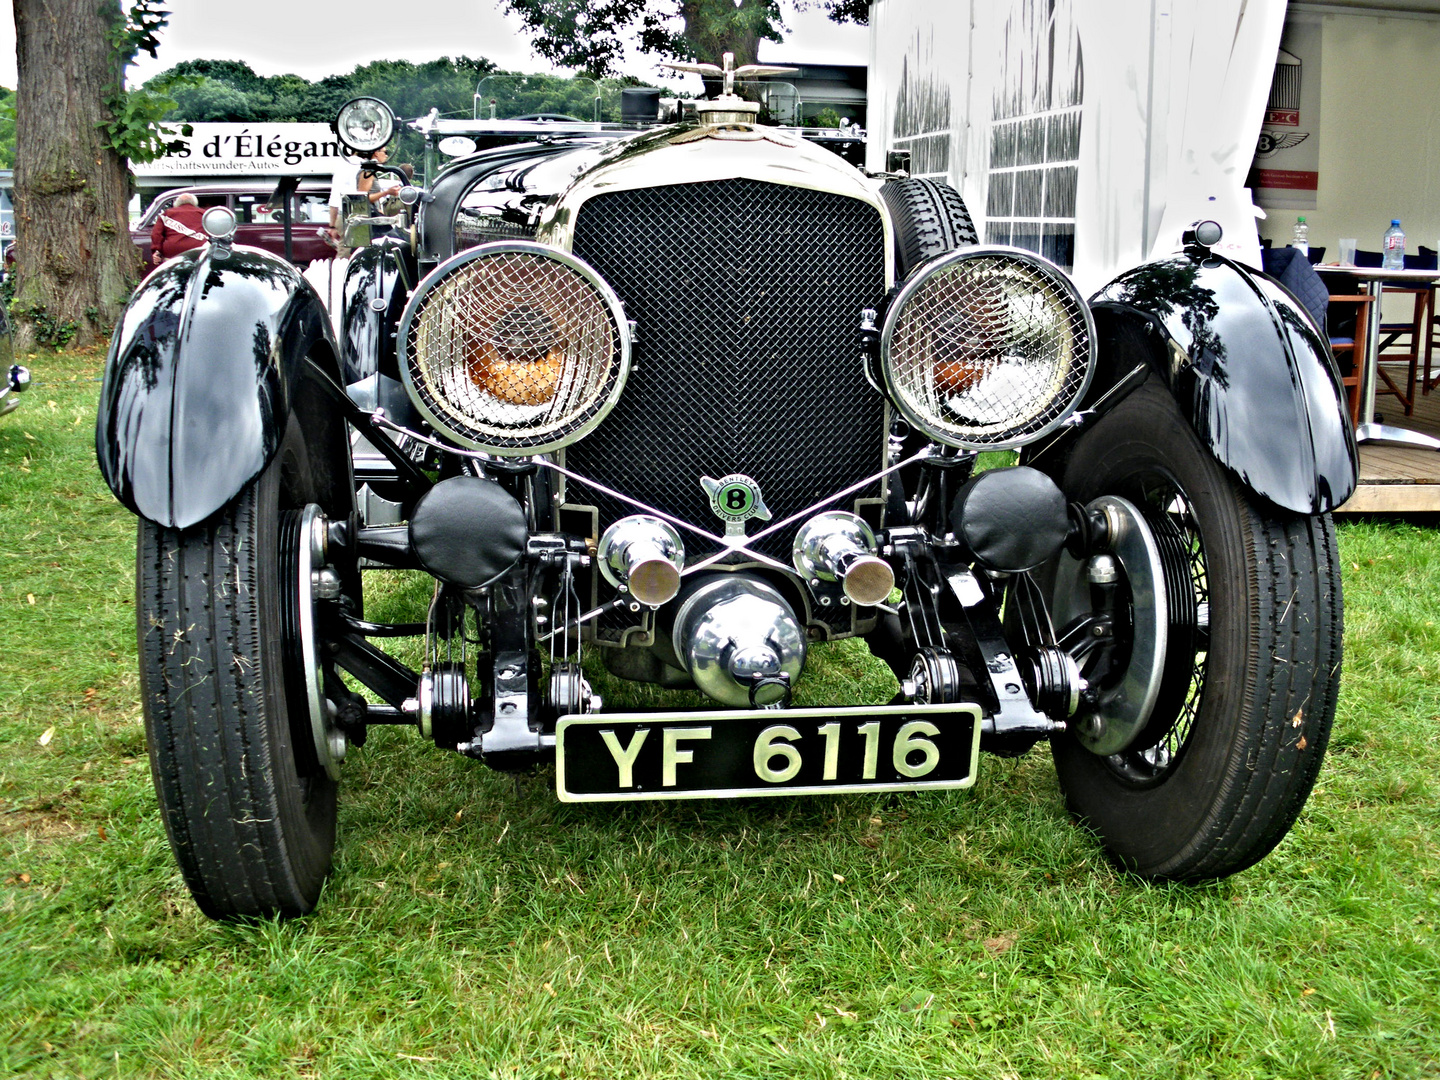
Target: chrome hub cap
point(1125, 704)
point(316, 580)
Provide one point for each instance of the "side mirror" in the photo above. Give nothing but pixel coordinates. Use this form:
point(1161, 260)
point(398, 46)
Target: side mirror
point(355, 218)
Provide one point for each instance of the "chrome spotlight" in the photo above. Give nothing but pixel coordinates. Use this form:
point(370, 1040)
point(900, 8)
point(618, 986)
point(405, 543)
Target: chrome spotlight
point(364, 124)
point(838, 546)
point(740, 641)
point(645, 555)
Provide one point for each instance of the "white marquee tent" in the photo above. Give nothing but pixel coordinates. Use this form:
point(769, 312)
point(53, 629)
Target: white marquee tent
point(1093, 130)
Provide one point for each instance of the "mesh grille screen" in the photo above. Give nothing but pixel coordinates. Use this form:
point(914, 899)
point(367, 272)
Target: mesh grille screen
point(990, 350)
point(513, 350)
point(747, 298)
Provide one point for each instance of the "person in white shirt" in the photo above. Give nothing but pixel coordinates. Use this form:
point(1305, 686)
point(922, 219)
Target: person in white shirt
point(365, 183)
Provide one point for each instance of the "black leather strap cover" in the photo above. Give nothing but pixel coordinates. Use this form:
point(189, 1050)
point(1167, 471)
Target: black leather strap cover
point(1011, 519)
point(468, 531)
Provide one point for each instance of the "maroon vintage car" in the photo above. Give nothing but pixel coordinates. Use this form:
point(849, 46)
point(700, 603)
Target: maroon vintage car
point(259, 218)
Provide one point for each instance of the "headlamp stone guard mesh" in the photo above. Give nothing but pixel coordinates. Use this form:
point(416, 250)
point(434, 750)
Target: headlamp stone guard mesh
point(988, 347)
point(514, 348)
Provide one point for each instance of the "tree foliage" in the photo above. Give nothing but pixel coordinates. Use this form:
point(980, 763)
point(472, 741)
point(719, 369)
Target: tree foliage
point(207, 101)
point(133, 126)
point(7, 128)
point(220, 90)
point(592, 35)
point(230, 91)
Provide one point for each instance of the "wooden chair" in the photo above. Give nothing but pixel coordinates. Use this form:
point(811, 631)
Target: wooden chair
point(1353, 348)
point(1427, 383)
point(1428, 259)
point(1405, 343)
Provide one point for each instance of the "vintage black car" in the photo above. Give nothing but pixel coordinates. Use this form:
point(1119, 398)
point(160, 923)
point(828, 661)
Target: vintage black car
point(684, 403)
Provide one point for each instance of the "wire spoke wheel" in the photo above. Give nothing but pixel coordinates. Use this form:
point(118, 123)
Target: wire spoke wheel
point(1171, 518)
point(1223, 762)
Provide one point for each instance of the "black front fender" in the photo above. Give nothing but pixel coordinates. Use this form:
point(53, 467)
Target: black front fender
point(1247, 367)
point(207, 366)
point(376, 284)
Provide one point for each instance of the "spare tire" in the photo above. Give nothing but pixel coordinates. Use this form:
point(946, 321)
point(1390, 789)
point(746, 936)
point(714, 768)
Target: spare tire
point(930, 219)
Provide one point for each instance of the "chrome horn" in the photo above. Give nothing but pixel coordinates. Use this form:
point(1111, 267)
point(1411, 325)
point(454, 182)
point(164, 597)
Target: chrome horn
point(740, 641)
point(645, 555)
point(838, 546)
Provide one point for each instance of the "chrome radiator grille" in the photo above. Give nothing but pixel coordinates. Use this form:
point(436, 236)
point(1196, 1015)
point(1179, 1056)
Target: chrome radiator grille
point(747, 298)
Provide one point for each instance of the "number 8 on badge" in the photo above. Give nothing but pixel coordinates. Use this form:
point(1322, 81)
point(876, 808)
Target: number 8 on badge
point(735, 499)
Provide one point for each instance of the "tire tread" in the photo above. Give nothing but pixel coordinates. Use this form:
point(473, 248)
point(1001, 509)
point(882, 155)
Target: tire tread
point(1274, 699)
point(1283, 762)
point(208, 670)
point(930, 219)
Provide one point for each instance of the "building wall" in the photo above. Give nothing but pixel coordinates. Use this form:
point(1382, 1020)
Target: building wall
point(1379, 133)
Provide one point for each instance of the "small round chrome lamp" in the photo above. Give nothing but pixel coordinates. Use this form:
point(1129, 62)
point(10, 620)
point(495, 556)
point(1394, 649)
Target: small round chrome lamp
point(364, 125)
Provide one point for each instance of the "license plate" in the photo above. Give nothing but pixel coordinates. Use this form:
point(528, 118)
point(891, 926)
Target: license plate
point(622, 757)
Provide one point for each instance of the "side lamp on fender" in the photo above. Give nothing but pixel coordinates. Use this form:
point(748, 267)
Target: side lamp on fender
point(1203, 235)
point(219, 225)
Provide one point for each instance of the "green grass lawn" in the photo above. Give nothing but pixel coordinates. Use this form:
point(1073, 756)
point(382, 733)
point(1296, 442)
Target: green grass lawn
point(474, 927)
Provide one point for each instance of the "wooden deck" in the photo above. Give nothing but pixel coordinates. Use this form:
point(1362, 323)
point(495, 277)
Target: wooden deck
point(1397, 479)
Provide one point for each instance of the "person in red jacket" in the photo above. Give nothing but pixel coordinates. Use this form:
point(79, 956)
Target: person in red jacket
point(176, 230)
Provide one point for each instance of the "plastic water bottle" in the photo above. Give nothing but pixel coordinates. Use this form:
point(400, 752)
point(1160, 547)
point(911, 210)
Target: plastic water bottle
point(1301, 237)
point(1393, 247)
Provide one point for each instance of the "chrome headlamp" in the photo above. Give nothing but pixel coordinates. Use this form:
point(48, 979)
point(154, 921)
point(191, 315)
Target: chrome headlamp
point(514, 348)
point(218, 222)
point(364, 124)
point(986, 347)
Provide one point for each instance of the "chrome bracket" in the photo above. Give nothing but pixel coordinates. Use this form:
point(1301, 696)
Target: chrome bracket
point(1017, 715)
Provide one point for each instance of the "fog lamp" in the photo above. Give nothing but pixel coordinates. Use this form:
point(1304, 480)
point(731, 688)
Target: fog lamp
point(218, 222)
point(645, 555)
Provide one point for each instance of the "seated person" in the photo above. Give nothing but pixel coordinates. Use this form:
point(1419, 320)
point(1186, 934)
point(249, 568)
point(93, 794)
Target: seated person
point(388, 201)
point(364, 183)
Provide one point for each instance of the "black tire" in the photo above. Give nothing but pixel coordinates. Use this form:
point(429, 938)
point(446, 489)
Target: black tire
point(249, 812)
point(1222, 770)
point(930, 219)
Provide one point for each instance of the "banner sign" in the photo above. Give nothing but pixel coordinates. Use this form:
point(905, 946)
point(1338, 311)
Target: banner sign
point(249, 150)
point(1286, 173)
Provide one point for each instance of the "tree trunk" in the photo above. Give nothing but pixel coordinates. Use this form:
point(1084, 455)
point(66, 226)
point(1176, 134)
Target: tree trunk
point(75, 261)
